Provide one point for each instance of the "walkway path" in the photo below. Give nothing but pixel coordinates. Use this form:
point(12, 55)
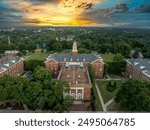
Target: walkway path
point(100, 98)
point(26, 58)
point(109, 102)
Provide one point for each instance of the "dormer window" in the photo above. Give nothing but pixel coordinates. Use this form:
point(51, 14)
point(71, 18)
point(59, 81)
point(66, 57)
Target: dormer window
point(83, 59)
point(142, 67)
point(7, 64)
point(136, 63)
point(71, 59)
point(77, 59)
point(65, 59)
point(13, 61)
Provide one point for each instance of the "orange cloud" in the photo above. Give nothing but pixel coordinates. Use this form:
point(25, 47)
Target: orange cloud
point(64, 13)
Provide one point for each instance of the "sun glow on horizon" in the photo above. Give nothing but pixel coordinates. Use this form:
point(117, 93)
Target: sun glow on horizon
point(64, 13)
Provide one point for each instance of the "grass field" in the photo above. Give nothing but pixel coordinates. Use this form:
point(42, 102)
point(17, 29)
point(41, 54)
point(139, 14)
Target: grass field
point(38, 56)
point(98, 106)
point(108, 57)
point(114, 107)
point(107, 95)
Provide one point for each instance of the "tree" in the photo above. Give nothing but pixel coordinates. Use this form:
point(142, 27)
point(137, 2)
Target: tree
point(111, 87)
point(57, 47)
point(136, 53)
point(124, 49)
point(134, 96)
point(30, 65)
point(21, 47)
point(106, 67)
point(12, 88)
point(118, 58)
point(41, 94)
point(91, 73)
point(41, 74)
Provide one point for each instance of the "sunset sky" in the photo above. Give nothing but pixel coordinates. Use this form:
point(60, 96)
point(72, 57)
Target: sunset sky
point(103, 13)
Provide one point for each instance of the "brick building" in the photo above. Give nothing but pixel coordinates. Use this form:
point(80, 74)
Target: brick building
point(73, 68)
point(79, 81)
point(11, 65)
point(11, 53)
point(55, 61)
point(138, 68)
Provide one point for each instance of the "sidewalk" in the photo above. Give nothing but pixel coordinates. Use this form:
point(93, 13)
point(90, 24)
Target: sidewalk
point(100, 98)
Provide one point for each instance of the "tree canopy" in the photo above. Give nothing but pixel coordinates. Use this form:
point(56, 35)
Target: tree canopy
point(41, 94)
point(102, 40)
point(124, 49)
point(134, 96)
point(118, 58)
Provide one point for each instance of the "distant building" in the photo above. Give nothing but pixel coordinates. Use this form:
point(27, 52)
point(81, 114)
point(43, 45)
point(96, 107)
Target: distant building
point(11, 53)
point(73, 68)
point(138, 68)
point(11, 65)
point(139, 54)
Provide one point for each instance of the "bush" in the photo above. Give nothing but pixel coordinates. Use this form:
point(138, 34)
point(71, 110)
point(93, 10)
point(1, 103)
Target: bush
point(111, 87)
point(30, 65)
point(115, 67)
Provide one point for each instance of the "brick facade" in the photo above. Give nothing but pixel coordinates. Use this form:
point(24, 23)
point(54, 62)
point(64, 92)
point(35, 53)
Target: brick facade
point(53, 66)
point(98, 68)
point(136, 73)
point(15, 69)
point(73, 68)
point(78, 80)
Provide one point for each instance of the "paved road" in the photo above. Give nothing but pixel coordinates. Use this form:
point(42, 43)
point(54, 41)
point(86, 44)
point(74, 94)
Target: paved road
point(100, 98)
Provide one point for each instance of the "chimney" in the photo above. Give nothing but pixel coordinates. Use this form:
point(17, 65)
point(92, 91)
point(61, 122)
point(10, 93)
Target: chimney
point(74, 49)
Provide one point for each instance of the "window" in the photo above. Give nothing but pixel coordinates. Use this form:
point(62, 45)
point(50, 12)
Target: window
point(79, 96)
point(73, 95)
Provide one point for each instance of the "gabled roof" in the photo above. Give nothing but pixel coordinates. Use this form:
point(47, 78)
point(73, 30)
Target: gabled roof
point(60, 57)
point(100, 60)
point(8, 61)
point(11, 51)
point(142, 64)
point(49, 59)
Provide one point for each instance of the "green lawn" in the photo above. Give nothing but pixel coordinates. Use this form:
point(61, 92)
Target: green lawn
point(38, 56)
point(107, 95)
point(114, 76)
point(114, 107)
point(98, 106)
point(108, 57)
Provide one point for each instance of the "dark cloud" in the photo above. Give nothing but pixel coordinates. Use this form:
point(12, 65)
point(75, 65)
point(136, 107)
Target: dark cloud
point(114, 13)
point(9, 16)
point(143, 9)
point(85, 5)
point(122, 7)
point(119, 8)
